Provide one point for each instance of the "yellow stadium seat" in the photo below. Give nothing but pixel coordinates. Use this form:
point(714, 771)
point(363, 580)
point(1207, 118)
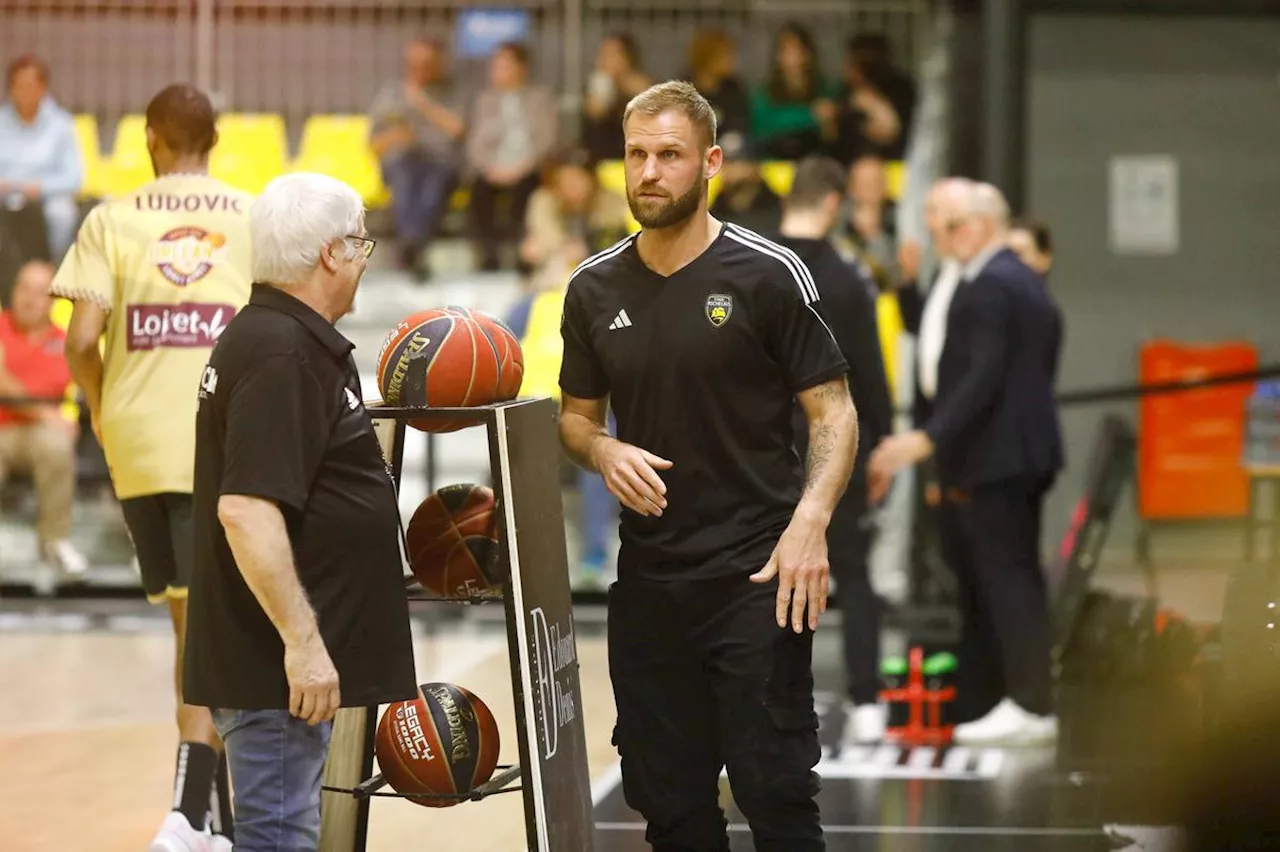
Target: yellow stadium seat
point(778, 175)
point(338, 146)
point(252, 150)
point(91, 161)
point(895, 174)
point(130, 165)
point(612, 176)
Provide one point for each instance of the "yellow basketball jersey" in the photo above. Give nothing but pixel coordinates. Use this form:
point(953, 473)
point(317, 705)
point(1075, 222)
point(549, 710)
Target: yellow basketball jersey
point(170, 262)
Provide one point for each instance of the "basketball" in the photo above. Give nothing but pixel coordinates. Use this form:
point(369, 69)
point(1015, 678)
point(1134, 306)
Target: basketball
point(443, 742)
point(440, 359)
point(452, 540)
point(510, 355)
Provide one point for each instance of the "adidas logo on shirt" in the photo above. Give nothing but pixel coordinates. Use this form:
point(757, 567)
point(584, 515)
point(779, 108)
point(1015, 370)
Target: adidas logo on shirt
point(621, 320)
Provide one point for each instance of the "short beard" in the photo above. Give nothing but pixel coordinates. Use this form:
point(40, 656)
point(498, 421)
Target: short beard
point(675, 212)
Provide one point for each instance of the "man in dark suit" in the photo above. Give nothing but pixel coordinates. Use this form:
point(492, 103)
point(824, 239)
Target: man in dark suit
point(996, 441)
point(924, 313)
point(810, 212)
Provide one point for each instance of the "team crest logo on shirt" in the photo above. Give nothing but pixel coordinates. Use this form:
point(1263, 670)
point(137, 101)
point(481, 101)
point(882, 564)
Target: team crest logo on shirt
point(187, 254)
point(719, 309)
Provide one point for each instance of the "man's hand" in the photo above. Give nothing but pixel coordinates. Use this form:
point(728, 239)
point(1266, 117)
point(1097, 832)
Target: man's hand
point(31, 191)
point(799, 561)
point(893, 455)
point(313, 682)
point(631, 475)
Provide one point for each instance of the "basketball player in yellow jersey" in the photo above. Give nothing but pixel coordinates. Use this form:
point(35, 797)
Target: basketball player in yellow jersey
point(161, 272)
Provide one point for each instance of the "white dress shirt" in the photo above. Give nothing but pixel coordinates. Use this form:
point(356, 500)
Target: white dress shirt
point(933, 324)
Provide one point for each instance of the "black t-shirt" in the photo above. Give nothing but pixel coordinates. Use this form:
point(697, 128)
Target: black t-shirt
point(281, 418)
point(702, 368)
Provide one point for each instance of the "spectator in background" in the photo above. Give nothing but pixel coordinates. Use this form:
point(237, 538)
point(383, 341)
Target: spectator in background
point(37, 438)
point(39, 158)
point(870, 219)
point(512, 130)
point(712, 67)
point(877, 102)
point(617, 78)
point(793, 114)
point(570, 217)
point(416, 125)
point(1032, 241)
point(744, 198)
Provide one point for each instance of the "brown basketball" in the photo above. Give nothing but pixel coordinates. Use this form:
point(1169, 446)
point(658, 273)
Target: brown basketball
point(443, 742)
point(452, 540)
point(439, 358)
point(510, 355)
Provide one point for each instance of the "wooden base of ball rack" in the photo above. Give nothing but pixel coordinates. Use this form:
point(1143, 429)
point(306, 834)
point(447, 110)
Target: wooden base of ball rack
point(524, 453)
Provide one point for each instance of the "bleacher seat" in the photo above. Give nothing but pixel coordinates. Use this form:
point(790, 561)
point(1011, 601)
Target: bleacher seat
point(130, 165)
point(252, 150)
point(338, 146)
point(778, 175)
point(91, 161)
point(895, 173)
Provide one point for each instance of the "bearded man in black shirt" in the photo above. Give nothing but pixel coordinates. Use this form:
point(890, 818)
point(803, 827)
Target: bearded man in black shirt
point(702, 335)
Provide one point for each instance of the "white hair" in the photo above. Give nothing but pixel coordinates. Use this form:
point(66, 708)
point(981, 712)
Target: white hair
point(987, 202)
point(294, 218)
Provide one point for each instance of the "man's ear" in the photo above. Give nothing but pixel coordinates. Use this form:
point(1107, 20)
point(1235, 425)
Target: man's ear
point(329, 255)
point(714, 161)
point(831, 205)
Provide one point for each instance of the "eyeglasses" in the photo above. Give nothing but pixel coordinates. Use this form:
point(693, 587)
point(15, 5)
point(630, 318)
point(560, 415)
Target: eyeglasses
point(367, 243)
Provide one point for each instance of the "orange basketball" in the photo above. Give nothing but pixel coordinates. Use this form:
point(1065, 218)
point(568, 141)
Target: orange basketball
point(452, 540)
point(510, 355)
point(439, 359)
point(443, 742)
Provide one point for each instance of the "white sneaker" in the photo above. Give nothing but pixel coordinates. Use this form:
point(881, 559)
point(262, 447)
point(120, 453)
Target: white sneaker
point(67, 559)
point(1008, 724)
point(863, 723)
point(220, 844)
point(177, 835)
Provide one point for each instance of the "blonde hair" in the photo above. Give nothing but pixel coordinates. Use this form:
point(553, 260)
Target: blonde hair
point(679, 96)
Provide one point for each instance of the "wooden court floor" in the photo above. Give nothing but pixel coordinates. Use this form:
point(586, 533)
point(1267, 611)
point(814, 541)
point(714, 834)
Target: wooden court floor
point(87, 736)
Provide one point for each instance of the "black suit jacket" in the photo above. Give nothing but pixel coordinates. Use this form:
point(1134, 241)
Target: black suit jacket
point(994, 416)
point(844, 297)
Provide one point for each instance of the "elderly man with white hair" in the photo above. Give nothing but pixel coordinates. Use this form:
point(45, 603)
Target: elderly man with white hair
point(297, 603)
point(993, 432)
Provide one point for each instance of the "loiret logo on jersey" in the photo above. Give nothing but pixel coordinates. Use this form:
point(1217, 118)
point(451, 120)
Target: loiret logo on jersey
point(719, 309)
point(183, 326)
point(187, 254)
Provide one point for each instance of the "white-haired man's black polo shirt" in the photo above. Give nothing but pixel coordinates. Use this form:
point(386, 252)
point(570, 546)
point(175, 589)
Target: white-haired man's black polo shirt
point(281, 418)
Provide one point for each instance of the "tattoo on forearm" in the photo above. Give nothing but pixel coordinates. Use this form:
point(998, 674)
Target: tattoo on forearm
point(831, 390)
point(822, 443)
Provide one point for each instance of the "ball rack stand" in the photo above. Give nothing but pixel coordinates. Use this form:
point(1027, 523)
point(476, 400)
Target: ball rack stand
point(524, 453)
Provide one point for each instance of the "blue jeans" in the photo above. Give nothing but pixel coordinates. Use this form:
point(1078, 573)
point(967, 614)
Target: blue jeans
point(276, 762)
point(61, 217)
point(420, 190)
